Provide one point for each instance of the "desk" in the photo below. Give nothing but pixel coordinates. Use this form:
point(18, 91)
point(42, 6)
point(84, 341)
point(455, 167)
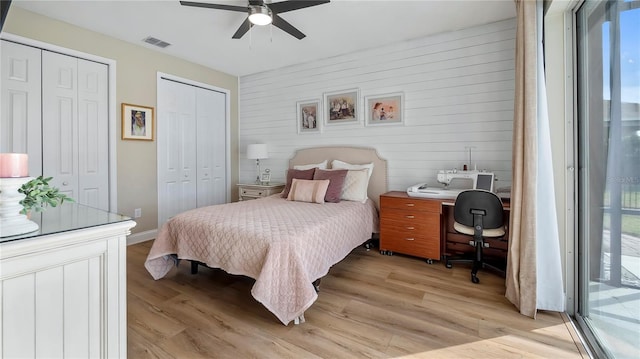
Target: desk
point(423, 227)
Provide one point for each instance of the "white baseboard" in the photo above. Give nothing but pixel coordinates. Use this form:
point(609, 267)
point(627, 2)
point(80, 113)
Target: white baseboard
point(141, 237)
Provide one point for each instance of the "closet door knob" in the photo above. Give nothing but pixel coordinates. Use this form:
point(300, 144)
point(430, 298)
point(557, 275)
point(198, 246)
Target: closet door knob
point(65, 183)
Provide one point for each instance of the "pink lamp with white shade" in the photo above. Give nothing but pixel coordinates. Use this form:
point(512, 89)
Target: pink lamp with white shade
point(14, 171)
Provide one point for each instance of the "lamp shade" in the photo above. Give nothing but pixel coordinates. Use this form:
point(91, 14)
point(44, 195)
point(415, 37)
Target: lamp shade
point(257, 151)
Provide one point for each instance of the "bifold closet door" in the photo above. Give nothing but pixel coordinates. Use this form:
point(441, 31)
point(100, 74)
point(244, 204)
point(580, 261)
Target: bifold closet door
point(192, 143)
point(75, 127)
point(211, 147)
point(176, 129)
point(20, 121)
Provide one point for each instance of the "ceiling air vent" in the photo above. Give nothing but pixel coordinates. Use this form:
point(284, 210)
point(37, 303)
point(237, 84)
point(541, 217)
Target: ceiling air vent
point(156, 42)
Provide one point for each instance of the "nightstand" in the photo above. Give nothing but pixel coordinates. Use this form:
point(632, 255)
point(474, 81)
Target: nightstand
point(253, 191)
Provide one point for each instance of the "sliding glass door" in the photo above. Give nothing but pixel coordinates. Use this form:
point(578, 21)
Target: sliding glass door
point(608, 39)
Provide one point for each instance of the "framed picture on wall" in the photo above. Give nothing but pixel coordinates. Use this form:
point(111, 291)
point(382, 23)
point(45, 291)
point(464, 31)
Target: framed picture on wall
point(308, 116)
point(341, 107)
point(137, 122)
point(384, 109)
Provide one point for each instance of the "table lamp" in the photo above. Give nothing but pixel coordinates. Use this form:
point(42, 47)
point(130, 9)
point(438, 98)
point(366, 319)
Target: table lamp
point(257, 152)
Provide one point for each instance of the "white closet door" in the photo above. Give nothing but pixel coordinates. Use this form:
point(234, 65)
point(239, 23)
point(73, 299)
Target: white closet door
point(93, 129)
point(176, 129)
point(60, 121)
point(20, 122)
point(211, 124)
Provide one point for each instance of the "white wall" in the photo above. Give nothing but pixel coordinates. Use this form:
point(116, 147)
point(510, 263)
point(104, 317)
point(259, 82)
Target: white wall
point(559, 79)
point(458, 89)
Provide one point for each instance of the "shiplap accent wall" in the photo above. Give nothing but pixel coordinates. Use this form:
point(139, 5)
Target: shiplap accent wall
point(458, 92)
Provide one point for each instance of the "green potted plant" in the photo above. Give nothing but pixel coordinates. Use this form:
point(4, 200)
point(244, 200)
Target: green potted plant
point(39, 194)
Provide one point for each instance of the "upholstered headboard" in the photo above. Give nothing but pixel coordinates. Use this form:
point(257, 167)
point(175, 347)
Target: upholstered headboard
point(354, 155)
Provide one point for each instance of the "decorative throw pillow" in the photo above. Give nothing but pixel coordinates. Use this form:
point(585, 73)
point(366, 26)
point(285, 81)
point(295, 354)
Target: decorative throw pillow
point(299, 174)
point(355, 186)
point(322, 165)
point(344, 165)
point(312, 191)
point(335, 186)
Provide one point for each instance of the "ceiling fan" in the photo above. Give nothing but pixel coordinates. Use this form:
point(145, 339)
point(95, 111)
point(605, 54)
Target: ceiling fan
point(261, 13)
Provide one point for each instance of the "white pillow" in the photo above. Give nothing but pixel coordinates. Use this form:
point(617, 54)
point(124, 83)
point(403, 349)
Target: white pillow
point(322, 165)
point(337, 164)
point(355, 186)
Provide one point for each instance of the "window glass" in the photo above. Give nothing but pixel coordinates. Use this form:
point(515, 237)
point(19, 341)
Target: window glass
point(608, 38)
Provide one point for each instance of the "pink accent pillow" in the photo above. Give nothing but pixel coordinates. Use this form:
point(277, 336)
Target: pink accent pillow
point(335, 186)
point(312, 191)
point(299, 174)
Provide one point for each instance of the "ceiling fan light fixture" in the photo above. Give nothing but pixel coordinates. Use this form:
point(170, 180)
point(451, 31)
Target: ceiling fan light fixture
point(260, 15)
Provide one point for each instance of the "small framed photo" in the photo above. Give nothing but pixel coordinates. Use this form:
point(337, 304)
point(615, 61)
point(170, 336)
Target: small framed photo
point(137, 122)
point(384, 109)
point(309, 116)
point(265, 178)
point(341, 107)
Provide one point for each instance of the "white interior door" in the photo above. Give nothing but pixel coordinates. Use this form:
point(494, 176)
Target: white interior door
point(20, 121)
point(211, 112)
point(176, 129)
point(60, 121)
point(93, 127)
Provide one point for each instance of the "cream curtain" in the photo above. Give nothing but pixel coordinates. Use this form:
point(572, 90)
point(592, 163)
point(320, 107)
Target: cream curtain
point(534, 270)
point(521, 264)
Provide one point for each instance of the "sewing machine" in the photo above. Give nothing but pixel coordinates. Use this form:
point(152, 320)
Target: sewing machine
point(455, 181)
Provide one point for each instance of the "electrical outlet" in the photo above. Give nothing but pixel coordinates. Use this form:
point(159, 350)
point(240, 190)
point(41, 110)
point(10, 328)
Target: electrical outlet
point(137, 213)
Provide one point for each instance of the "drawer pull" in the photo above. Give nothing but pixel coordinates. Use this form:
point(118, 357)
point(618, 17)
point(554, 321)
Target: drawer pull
point(411, 228)
point(410, 204)
point(410, 216)
point(259, 193)
point(409, 239)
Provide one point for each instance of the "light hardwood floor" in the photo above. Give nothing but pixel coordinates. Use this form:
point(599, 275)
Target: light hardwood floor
point(369, 306)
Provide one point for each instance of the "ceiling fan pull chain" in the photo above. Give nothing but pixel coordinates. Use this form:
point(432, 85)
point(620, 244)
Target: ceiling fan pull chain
point(271, 31)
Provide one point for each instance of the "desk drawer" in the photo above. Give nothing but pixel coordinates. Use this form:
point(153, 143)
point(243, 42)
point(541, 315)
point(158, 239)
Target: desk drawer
point(415, 245)
point(423, 227)
point(423, 205)
point(410, 216)
point(497, 244)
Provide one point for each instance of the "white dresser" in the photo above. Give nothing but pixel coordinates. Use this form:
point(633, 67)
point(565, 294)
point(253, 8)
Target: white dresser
point(63, 287)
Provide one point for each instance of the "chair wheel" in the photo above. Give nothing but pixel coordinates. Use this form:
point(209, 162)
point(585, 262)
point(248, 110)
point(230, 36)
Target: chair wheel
point(448, 265)
point(475, 279)
point(429, 261)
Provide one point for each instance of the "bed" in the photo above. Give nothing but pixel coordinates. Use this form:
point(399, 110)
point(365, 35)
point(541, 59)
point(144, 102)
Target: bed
point(284, 245)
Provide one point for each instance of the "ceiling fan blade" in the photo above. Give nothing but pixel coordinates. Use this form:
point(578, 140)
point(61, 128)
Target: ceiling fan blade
point(246, 25)
point(284, 25)
point(284, 6)
point(214, 6)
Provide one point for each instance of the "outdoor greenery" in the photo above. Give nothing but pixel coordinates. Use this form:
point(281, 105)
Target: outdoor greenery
point(630, 224)
point(39, 194)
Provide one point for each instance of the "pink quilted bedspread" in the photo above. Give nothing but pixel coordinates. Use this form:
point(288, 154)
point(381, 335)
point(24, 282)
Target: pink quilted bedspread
point(283, 245)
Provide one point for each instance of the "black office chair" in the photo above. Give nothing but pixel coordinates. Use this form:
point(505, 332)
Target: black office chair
point(478, 213)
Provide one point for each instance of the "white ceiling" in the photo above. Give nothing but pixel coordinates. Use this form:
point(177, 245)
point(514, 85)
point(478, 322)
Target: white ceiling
point(203, 36)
